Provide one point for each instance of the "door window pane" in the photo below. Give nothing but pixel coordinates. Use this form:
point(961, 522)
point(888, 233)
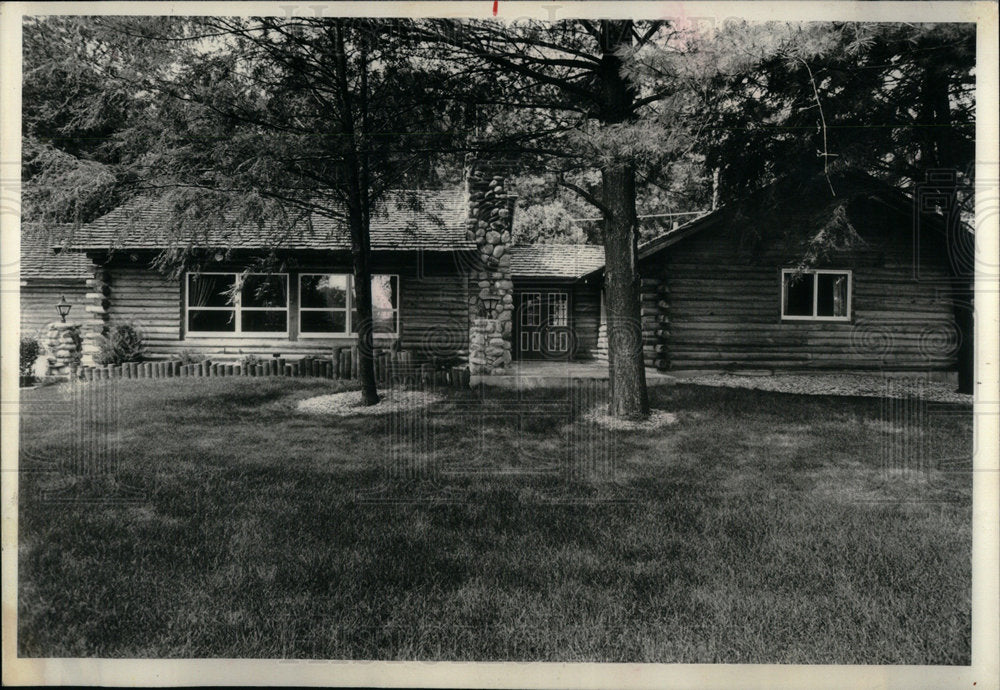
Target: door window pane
point(558, 303)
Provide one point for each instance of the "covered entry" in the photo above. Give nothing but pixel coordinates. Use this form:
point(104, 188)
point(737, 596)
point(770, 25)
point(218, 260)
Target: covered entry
point(542, 323)
point(557, 301)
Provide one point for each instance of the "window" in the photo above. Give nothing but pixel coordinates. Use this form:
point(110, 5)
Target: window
point(323, 303)
point(237, 304)
point(326, 304)
point(815, 295)
point(558, 309)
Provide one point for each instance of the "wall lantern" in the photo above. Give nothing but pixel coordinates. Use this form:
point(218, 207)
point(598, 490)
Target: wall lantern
point(63, 307)
point(489, 305)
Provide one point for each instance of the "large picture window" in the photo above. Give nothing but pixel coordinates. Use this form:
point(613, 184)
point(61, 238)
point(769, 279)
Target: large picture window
point(327, 304)
point(237, 304)
point(820, 295)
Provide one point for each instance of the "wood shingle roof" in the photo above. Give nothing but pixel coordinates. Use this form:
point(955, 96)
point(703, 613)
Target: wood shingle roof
point(406, 220)
point(555, 260)
point(40, 261)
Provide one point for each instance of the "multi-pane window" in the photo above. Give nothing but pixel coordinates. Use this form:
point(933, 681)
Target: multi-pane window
point(327, 304)
point(819, 295)
point(323, 303)
point(234, 303)
point(558, 309)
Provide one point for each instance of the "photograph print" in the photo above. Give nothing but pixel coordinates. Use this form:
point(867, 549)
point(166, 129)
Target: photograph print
point(546, 338)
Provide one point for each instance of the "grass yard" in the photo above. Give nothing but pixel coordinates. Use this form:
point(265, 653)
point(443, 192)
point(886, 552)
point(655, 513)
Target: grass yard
point(759, 528)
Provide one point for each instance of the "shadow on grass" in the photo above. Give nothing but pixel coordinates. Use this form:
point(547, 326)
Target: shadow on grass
point(759, 528)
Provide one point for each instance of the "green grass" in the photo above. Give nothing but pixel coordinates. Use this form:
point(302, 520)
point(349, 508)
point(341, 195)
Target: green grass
point(761, 528)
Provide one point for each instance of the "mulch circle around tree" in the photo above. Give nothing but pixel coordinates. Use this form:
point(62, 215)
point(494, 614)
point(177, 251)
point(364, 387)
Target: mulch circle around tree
point(349, 403)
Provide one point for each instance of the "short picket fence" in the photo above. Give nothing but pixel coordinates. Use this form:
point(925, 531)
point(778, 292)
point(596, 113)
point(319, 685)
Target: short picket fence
point(390, 368)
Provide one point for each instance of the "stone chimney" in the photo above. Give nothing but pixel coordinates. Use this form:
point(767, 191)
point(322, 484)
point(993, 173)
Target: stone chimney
point(491, 291)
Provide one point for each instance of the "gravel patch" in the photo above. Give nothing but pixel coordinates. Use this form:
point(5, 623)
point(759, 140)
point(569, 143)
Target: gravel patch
point(349, 403)
point(655, 420)
point(838, 384)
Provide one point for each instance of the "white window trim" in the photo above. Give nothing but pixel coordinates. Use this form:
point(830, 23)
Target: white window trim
point(814, 273)
point(350, 333)
point(237, 308)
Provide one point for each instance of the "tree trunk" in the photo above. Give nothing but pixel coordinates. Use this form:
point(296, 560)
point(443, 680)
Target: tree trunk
point(626, 371)
point(965, 322)
point(360, 226)
point(939, 152)
point(363, 304)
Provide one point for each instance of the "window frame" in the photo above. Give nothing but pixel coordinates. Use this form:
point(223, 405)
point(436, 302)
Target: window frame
point(349, 308)
point(814, 273)
point(236, 308)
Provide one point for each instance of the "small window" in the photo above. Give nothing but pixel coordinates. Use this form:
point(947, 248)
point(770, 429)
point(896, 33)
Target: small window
point(228, 304)
point(815, 295)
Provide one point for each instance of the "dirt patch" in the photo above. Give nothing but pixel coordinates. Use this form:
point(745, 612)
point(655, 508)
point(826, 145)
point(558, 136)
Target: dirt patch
point(348, 403)
point(655, 420)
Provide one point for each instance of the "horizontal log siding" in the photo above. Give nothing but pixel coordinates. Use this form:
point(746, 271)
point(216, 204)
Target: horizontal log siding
point(433, 315)
point(38, 304)
point(434, 311)
point(149, 301)
point(725, 309)
point(586, 318)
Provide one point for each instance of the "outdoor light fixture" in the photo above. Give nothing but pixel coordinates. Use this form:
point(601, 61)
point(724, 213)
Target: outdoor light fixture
point(63, 307)
point(489, 304)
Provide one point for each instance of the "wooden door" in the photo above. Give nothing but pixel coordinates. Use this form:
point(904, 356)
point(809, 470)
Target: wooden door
point(543, 324)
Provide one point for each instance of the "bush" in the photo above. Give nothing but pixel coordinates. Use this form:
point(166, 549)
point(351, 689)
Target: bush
point(251, 361)
point(31, 349)
point(188, 357)
point(122, 344)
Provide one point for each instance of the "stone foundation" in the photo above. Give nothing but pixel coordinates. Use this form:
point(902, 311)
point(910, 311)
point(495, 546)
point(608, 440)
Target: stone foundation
point(62, 347)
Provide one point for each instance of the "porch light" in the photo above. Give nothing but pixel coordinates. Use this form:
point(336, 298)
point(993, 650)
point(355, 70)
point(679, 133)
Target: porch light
point(489, 304)
point(63, 307)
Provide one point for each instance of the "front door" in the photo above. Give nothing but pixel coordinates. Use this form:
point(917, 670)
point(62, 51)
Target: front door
point(543, 329)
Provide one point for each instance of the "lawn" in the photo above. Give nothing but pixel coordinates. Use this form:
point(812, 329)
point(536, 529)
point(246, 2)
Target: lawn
point(759, 528)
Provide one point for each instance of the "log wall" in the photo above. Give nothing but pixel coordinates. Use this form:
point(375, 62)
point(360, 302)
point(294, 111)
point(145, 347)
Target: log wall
point(433, 313)
point(720, 307)
point(586, 301)
point(38, 304)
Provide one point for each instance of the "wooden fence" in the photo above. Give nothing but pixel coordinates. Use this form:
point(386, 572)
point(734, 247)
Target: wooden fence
point(390, 368)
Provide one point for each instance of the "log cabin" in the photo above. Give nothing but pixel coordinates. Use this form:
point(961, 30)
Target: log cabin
point(799, 277)
point(791, 279)
point(448, 284)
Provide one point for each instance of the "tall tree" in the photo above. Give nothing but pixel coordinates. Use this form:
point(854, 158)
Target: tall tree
point(566, 94)
point(270, 121)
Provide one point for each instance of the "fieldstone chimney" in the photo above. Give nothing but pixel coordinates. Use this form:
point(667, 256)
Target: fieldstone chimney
point(491, 291)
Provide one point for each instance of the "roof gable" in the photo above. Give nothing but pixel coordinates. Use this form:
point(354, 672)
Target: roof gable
point(787, 191)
